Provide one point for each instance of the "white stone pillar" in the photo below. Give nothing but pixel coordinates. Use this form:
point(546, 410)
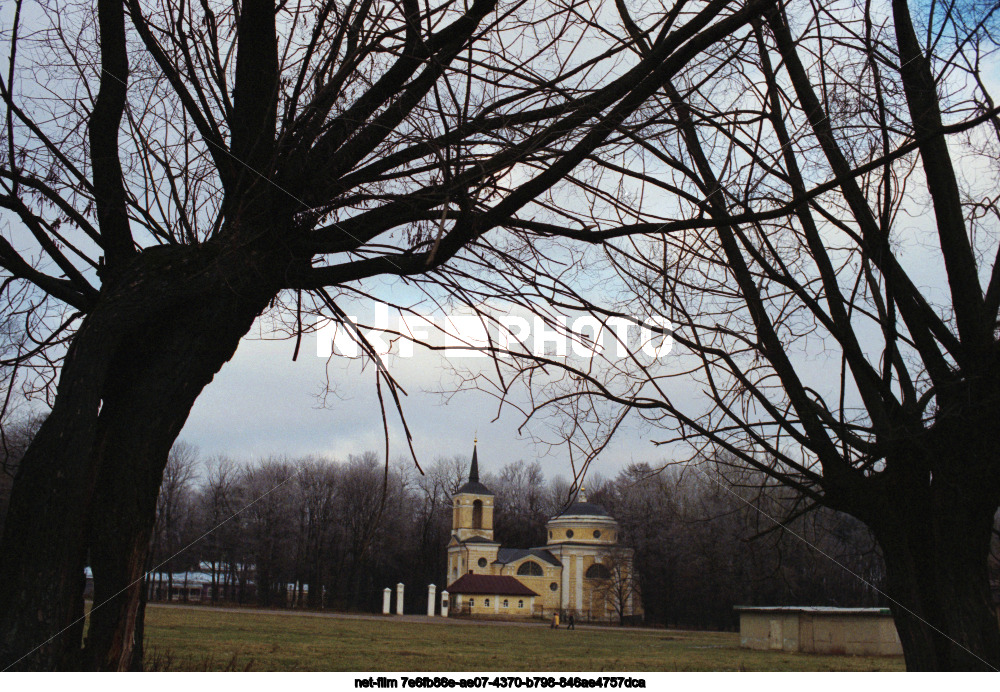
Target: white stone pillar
point(431, 593)
point(444, 604)
point(399, 598)
point(386, 597)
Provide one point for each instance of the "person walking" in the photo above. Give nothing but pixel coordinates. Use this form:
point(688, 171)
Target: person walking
point(555, 620)
point(571, 622)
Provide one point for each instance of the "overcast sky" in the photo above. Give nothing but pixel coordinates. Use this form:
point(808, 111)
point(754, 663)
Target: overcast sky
point(262, 403)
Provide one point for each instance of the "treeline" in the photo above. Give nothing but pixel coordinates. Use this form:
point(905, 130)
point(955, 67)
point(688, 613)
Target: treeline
point(705, 543)
point(326, 534)
point(319, 533)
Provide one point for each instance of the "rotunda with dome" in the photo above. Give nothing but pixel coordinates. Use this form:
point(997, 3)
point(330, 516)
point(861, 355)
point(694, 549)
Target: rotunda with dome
point(581, 570)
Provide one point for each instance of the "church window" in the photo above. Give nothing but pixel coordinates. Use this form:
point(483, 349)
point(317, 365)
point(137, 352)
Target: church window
point(505, 603)
point(482, 562)
point(520, 604)
point(569, 533)
point(477, 514)
point(598, 571)
point(554, 586)
point(472, 602)
point(487, 602)
point(597, 534)
point(530, 569)
point(550, 534)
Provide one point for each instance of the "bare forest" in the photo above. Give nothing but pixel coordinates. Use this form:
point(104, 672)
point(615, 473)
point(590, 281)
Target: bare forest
point(331, 535)
point(800, 195)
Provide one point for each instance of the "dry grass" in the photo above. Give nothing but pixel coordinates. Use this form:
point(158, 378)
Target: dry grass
point(203, 639)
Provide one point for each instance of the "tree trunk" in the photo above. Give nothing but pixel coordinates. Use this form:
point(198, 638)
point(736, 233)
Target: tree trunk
point(43, 553)
point(937, 577)
point(130, 378)
point(153, 393)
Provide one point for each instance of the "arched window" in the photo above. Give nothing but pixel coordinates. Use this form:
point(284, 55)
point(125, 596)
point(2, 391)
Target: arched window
point(487, 603)
point(520, 604)
point(598, 571)
point(505, 603)
point(529, 569)
point(477, 514)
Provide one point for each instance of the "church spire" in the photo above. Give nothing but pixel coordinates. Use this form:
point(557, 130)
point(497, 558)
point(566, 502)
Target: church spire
point(473, 485)
point(474, 469)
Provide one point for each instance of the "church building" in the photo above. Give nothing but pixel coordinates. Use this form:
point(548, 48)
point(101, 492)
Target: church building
point(581, 570)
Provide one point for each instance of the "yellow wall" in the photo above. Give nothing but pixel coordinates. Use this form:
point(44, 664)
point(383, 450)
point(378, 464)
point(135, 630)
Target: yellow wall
point(463, 515)
point(577, 552)
point(517, 606)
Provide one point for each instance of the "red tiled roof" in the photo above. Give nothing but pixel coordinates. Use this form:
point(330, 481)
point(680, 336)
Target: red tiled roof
point(488, 584)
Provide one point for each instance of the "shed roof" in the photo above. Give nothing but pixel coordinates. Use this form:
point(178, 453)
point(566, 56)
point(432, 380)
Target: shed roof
point(489, 584)
point(818, 610)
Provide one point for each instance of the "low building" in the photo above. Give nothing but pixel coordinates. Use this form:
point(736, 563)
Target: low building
point(487, 594)
point(582, 569)
point(820, 630)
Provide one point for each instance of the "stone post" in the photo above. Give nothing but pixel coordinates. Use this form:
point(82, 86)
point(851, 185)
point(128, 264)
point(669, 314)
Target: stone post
point(444, 604)
point(386, 597)
point(431, 593)
point(399, 598)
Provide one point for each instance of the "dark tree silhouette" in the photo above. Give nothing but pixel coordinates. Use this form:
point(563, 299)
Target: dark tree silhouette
point(184, 167)
point(833, 285)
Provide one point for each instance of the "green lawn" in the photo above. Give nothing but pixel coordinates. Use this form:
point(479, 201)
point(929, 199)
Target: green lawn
point(195, 639)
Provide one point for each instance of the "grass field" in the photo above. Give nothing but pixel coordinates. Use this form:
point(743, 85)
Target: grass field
point(202, 639)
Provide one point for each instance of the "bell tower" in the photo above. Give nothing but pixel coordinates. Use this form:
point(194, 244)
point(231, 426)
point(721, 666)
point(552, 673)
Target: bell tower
point(472, 512)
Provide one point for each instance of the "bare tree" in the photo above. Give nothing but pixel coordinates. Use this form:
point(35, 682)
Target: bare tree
point(832, 280)
point(318, 492)
point(616, 586)
point(173, 508)
point(270, 525)
point(190, 166)
point(521, 507)
point(435, 489)
point(16, 433)
point(219, 522)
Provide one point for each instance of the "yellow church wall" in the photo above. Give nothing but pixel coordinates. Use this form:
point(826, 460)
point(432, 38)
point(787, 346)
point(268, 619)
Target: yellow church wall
point(546, 598)
point(463, 510)
point(516, 606)
point(577, 540)
point(584, 534)
point(574, 592)
point(463, 559)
